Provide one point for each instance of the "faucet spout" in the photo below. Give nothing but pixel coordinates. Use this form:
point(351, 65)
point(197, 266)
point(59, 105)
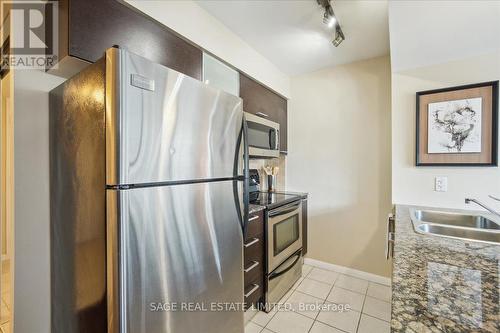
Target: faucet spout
point(494, 198)
point(479, 203)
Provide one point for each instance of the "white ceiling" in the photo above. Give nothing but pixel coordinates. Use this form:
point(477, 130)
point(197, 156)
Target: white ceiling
point(291, 34)
point(425, 33)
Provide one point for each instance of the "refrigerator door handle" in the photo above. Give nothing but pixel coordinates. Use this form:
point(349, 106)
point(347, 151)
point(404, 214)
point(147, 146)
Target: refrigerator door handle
point(246, 177)
point(237, 180)
point(242, 140)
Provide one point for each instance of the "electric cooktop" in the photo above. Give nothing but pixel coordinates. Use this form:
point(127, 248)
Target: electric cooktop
point(268, 199)
point(271, 199)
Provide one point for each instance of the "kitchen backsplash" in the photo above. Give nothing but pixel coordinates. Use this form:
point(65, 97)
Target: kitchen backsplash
point(273, 162)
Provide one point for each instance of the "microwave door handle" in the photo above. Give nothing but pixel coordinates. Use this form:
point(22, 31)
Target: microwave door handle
point(277, 139)
point(270, 138)
point(278, 274)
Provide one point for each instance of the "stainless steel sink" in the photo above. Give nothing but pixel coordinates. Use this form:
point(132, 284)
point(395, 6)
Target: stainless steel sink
point(463, 233)
point(455, 219)
point(472, 227)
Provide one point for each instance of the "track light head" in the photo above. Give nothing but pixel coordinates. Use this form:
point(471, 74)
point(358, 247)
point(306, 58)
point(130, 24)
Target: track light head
point(329, 17)
point(339, 36)
point(329, 20)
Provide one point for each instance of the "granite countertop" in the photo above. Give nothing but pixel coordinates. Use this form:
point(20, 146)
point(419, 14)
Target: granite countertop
point(442, 284)
point(303, 195)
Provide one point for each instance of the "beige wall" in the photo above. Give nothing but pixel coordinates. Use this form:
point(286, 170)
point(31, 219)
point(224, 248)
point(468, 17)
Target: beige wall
point(339, 152)
point(412, 185)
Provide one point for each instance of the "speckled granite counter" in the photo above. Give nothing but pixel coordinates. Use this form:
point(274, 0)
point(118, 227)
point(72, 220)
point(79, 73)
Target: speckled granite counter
point(255, 208)
point(303, 195)
point(441, 284)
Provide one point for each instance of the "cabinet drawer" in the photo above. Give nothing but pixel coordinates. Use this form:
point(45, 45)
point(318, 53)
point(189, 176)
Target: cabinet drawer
point(255, 225)
point(254, 249)
point(253, 271)
point(253, 294)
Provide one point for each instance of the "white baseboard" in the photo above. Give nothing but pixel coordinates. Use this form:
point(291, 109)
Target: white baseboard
point(348, 271)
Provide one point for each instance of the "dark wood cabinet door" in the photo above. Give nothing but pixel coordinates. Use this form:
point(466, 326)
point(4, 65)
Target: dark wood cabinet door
point(95, 25)
point(282, 117)
point(304, 227)
point(265, 103)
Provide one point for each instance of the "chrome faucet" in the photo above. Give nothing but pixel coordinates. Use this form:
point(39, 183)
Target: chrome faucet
point(494, 198)
point(479, 203)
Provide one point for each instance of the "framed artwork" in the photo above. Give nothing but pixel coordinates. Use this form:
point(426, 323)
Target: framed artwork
point(458, 126)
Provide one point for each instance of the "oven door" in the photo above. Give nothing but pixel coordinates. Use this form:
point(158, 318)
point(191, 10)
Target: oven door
point(284, 233)
point(282, 280)
point(263, 136)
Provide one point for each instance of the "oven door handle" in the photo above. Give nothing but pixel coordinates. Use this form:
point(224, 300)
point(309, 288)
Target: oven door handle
point(285, 209)
point(278, 274)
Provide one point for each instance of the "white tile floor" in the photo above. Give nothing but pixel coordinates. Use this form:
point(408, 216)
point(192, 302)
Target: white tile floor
point(370, 306)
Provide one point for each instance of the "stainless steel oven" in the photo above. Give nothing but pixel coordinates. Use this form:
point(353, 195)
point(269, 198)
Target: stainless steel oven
point(284, 233)
point(284, 244)
point(263, 136)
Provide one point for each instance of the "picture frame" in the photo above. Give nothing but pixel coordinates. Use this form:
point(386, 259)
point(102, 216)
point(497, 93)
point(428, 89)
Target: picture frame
point(458, 126)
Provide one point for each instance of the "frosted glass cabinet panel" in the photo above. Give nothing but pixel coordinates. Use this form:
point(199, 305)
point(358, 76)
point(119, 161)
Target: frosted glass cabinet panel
point(220, 75)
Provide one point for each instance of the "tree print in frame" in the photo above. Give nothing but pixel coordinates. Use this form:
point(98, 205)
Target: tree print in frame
point(455, 126)
point(458, 126)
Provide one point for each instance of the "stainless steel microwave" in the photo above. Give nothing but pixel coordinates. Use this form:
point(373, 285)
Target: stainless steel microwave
point(263, 136)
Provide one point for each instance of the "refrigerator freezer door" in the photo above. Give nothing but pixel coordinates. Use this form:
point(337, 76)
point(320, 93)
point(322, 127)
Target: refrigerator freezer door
point(163, 126)
point(180, 259)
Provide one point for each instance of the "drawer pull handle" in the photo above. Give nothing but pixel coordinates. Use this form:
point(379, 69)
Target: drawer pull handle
point(252, 266)
point(254, 289)
point(252, 242)
point(262, 114)
point(253, 218)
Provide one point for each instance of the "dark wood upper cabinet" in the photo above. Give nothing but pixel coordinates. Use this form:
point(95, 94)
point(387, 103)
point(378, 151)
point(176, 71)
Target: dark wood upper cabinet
point(261, 101)
point(89, 27)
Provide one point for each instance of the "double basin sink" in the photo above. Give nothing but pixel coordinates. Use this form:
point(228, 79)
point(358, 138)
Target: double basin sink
point(469, 227)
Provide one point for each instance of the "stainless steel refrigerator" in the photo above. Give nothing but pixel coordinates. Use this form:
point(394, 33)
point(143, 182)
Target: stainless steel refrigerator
point(148, 201)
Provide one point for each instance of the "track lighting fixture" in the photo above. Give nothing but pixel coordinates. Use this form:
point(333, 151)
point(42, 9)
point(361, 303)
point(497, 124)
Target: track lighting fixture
point(331, 21)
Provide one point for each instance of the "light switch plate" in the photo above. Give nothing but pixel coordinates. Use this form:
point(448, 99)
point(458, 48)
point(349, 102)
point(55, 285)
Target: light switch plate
point(441, 184)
